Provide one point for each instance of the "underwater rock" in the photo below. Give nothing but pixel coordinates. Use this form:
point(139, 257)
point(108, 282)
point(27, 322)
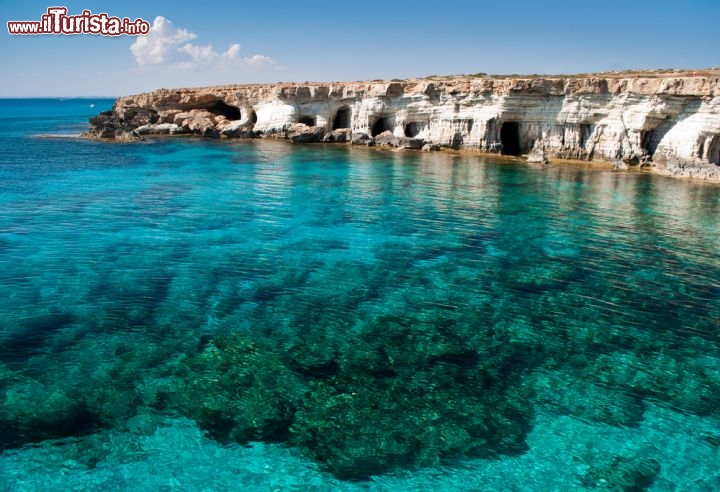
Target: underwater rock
point(239, 390)
point(570, 395)
point(408, 395)
point(31, 411)
point(688, 385)
point(32, 334)
point(314, 359)
point(626, 474)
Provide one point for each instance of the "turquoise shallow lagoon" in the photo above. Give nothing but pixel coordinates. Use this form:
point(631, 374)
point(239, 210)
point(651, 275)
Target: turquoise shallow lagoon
point(184, 314)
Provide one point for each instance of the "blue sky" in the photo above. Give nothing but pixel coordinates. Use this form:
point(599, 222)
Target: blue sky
point(197, 43)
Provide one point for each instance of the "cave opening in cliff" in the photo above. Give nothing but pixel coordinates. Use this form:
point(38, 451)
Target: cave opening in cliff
point(713, 152)
point(342, 118)
point(307, 120)
point(413, 128)
point(510, 138)
point(381, 125)
point(649, 142)
point(219, 108)
point(251, 115)
point(585, 132)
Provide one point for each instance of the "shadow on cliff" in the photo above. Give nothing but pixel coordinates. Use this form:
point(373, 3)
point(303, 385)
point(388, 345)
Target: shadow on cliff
point(652, 138)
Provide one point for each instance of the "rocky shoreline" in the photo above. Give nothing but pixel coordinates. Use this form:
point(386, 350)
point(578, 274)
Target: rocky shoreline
point(668, 122)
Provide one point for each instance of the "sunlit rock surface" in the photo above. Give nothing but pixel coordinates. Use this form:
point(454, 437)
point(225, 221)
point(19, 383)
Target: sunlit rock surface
point(667, 121)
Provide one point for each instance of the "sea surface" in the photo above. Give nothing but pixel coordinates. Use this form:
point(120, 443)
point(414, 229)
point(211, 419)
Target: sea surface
point(187, 314)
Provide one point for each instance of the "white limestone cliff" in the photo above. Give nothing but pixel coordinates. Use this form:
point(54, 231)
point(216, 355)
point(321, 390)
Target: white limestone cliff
point(668, 122)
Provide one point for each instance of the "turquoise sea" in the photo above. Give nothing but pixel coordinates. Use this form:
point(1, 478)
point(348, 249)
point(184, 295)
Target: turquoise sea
point(184, 314)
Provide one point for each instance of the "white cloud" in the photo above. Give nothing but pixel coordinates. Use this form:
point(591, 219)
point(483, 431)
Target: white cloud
point(233, 52)
point(258, 60)
point(160, 46)
point(167, 45)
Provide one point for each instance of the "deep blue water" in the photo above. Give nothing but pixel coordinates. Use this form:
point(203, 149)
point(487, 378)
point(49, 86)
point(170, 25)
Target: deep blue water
point(183, 314)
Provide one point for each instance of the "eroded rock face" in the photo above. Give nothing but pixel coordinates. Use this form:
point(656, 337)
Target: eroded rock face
point(670, 122)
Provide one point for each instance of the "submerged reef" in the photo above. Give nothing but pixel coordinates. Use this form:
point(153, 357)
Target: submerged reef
point(400, 392)
point(403, 312)
point(239, 390)
point(405, 393)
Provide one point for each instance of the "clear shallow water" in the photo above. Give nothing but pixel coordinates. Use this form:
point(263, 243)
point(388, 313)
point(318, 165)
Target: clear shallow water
point(435, 320)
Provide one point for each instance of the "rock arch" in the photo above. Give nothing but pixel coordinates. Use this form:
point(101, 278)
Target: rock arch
point(220, 108)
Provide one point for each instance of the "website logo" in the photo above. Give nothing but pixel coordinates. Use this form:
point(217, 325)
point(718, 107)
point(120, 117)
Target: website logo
point(57, 21)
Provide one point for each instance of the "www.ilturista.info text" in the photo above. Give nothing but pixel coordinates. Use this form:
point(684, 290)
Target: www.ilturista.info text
point(56, 21)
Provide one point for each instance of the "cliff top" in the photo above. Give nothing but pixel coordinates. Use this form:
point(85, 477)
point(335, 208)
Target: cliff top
point(660, 73)
point(701, 82)
point(624, 74)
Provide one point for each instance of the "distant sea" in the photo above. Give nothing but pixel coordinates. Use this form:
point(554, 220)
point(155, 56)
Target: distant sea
point(187, 314)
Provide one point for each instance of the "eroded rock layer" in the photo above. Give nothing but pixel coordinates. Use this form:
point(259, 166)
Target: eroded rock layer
point(670, 122)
